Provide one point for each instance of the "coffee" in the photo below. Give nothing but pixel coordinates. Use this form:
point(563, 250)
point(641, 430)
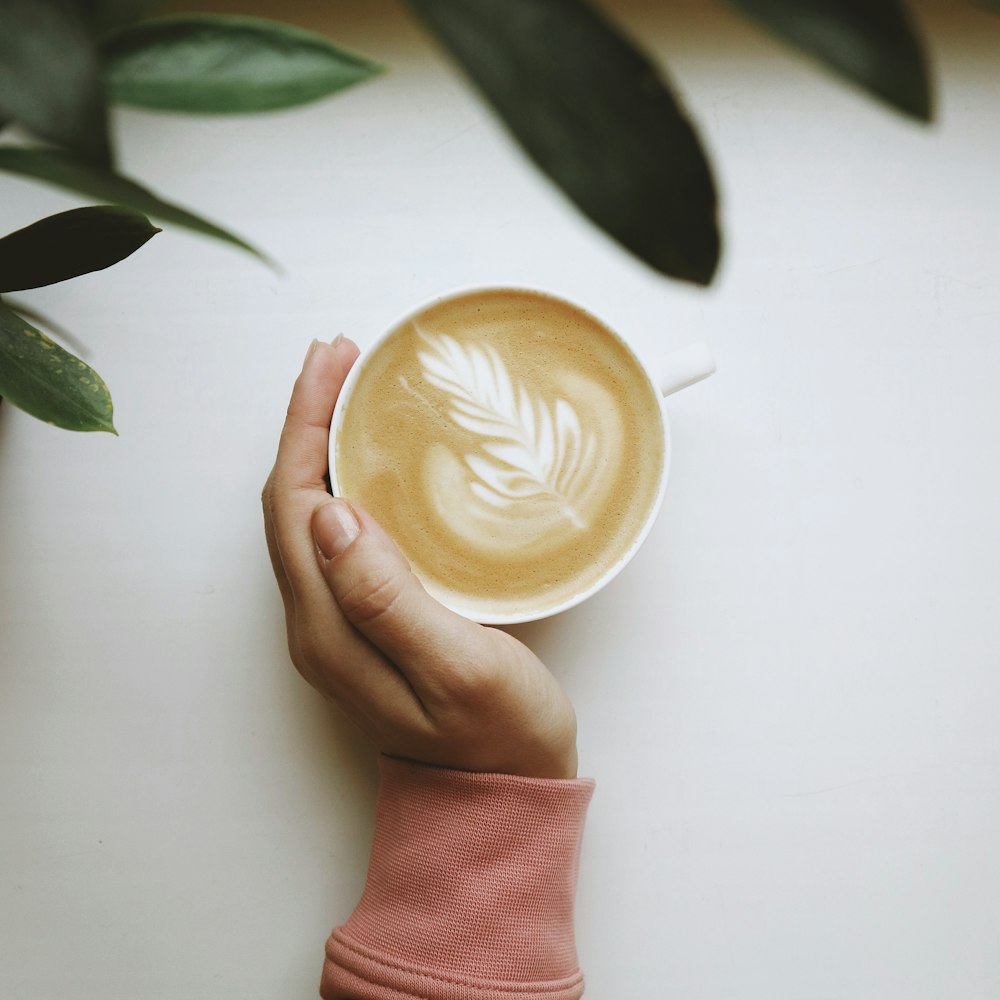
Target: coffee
point(510, 443)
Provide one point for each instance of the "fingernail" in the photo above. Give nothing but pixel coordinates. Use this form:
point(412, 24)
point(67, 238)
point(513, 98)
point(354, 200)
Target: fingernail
point(334, 528)
point(309, 352)
point(336, 340)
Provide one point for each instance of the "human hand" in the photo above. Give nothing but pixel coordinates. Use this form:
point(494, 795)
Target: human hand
point(422, 682)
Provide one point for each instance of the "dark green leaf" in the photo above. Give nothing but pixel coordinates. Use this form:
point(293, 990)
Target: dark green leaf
point(50, 76)
point(215, 63)
point(105, 15)
point(872, 43)
point(71, 243)
point(64, 171)
point(593, 113)
point(41, 378)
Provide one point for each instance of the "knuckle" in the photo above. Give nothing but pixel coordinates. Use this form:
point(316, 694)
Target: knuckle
point(272, 497)
point(307, 653)
point(484, 686)
point(483, 682)
point(475, 685)
point(316, 662)
point(375, 595)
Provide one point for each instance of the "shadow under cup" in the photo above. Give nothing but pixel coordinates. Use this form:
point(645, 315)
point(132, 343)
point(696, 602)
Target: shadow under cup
point(513, 446)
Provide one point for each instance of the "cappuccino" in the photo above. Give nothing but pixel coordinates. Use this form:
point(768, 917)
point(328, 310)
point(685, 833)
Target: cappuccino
point(510, 443)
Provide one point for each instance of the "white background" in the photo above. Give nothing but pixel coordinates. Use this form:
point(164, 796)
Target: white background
point(789, 700)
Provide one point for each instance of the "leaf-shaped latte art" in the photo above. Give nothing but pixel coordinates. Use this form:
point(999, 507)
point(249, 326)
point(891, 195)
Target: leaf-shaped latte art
point(529, 449)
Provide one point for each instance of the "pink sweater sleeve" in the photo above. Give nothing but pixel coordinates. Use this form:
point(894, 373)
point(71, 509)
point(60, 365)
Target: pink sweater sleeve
point(470, 891)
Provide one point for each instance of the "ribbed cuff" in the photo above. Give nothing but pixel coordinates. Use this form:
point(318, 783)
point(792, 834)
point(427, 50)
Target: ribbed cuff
point(470, 890)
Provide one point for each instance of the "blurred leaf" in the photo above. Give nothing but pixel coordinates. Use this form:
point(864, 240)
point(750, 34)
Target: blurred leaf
point(591, 111)
point(214, 63)
point(872, 43)
point(105, 15)
point(48, 382)
point(69, 244)
point(64, 171)
point(50, 76)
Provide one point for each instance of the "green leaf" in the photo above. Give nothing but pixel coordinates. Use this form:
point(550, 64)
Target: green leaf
point(48, 382)
point(872, 43)
point(105, 15)
point(50, 76)
point(593, 113)
point(47, 325)
point(69, 244)
point(215, 63)
point(64, 171)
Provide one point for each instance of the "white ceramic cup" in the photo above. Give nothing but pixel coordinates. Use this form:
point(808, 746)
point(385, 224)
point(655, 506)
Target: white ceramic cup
point(665, 375)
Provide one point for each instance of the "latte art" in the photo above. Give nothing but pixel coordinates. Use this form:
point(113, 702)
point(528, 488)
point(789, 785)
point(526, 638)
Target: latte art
point(510, 443)
point(527, 455)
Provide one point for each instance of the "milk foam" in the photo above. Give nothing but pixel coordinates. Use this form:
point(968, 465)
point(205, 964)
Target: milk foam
point(525, 469)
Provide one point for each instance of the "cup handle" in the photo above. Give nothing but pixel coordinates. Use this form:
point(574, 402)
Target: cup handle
point(683, 367)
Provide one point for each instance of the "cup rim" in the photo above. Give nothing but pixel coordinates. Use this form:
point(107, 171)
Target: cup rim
point(518, 618)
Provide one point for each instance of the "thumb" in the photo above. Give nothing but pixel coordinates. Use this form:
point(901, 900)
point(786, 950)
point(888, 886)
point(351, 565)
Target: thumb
point(379, 595)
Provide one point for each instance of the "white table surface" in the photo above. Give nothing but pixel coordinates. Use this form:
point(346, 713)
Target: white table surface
point(789, 700)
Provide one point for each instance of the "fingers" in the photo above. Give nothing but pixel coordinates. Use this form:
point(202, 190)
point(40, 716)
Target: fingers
point(344, 667)
point(378, 594)
point(326, 650)
point(302, 452)
point(296, 483)
point(298, 471)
